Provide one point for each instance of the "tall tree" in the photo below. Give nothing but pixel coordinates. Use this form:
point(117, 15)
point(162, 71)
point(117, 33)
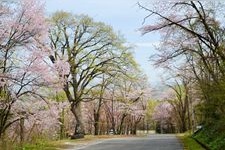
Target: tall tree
point(88, 49)
point(180, 105)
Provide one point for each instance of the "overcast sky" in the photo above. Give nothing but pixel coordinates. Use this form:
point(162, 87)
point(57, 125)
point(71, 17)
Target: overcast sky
point(123, 16)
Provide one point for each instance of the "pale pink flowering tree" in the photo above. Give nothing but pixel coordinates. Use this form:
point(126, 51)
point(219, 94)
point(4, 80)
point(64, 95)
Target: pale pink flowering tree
point(111, 109)
point(134, 94)
point(163, 115)
point(23, 32)
point(121, 117)
point(192, 42)
point(113, 113)
point(37, 120)
point(128, 102)
point(88, 113)
point(162, 112)
point(183, 26)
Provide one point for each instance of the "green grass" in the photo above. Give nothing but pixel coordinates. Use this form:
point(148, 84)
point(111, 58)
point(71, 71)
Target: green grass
point(43, 144)
point(37, 145)
point(213, 136)
point(188, 142)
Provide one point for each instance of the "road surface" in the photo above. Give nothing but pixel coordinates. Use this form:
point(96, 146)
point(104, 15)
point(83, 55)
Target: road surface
point(151, 142)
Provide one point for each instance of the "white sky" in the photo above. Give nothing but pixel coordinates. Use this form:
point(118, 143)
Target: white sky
point(123, 16)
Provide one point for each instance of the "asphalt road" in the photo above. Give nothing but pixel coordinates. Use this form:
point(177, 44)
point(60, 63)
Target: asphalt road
point(152, 142)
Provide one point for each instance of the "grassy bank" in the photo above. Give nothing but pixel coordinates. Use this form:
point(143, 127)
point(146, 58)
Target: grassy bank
point(212, 136)
point(188, 142)
point(59, 144)
point(40, 144)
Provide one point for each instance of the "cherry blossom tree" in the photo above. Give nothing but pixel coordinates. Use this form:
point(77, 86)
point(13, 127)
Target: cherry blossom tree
point(162, 115)
point(33, 123)
point(22, 34)
point(98, 94)
point(128, 102)
point(192, 36)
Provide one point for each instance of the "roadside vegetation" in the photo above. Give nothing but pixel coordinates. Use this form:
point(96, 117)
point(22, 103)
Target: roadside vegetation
point(192, 54)
point(213, 137)
point(46, 144)
point(188, 142)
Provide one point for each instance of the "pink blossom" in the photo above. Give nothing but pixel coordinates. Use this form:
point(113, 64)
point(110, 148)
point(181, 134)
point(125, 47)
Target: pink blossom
point(162, 111)
point(62, 67)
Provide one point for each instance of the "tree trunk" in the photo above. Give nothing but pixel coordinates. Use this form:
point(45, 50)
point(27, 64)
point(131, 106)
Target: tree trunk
point(96, 124)
point(62, 124)
point(128, 129)
point(183, 124)
point(107, 125)
point(97, 114)
point(79, 128)
point(121, 123)
point(134, 130)
point(21, 131)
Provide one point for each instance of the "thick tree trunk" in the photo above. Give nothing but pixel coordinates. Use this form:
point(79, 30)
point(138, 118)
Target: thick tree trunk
point(79, 128)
